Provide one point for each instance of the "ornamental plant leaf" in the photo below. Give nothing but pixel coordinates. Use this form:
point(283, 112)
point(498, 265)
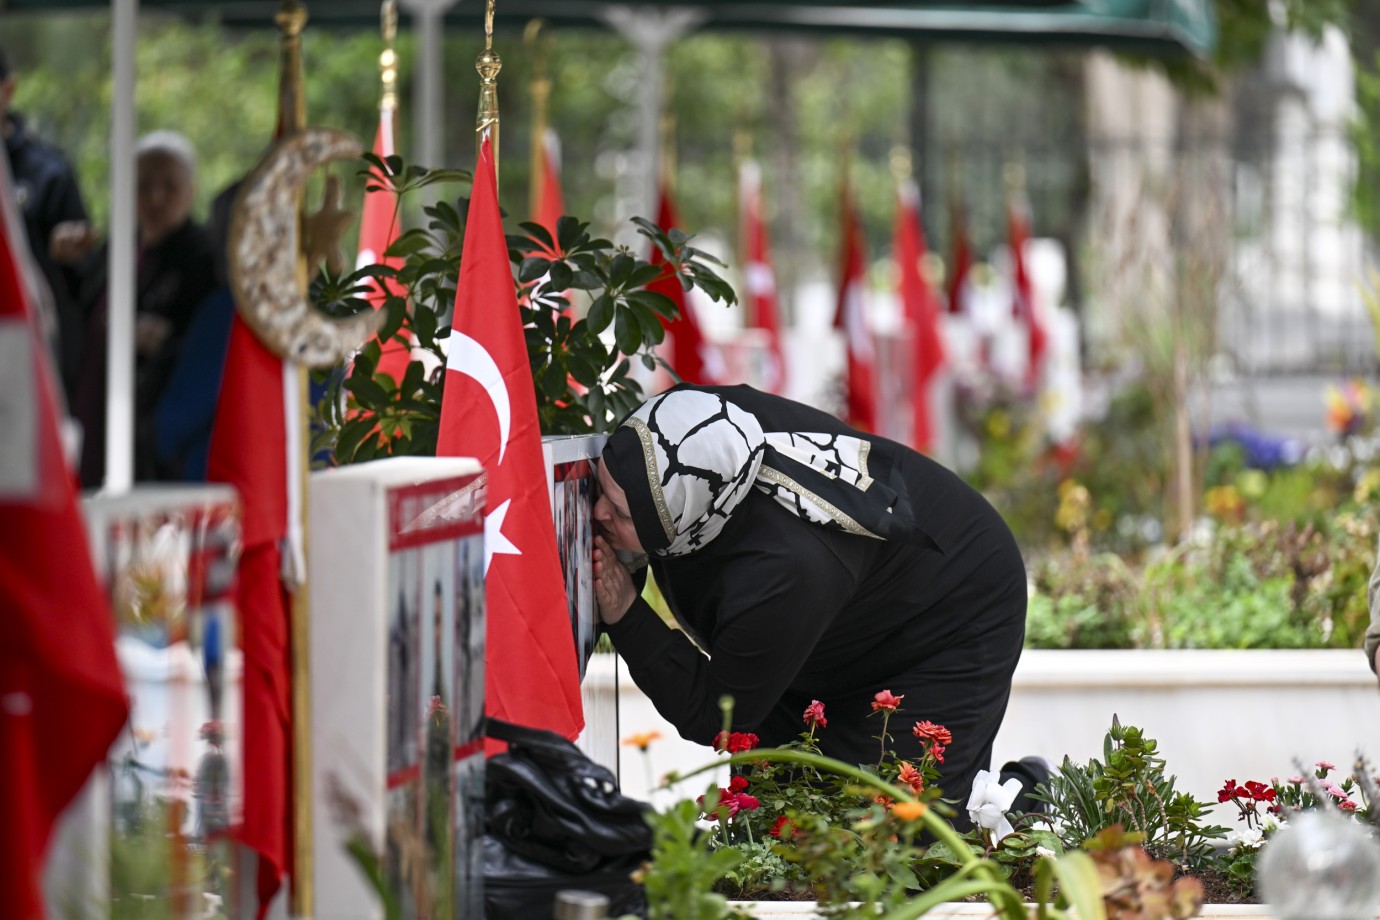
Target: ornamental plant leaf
point(582, 384)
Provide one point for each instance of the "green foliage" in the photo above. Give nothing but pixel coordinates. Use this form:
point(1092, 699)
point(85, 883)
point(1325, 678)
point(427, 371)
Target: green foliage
point(1085, 602)
point(1128, 787)
point(680, 878)
point(582, 384)
point(1365, 138)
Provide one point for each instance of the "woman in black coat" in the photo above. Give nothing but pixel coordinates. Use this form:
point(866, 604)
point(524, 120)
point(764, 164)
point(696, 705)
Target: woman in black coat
point(804, 560)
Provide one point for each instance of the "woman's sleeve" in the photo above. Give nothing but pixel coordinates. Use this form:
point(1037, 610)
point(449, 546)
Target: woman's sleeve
point(773, 604)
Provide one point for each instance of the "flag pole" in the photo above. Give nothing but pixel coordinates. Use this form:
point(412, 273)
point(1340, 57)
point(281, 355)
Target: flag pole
point(540, 89)
point(388, 57)
point(291, 19)
point(488, 64)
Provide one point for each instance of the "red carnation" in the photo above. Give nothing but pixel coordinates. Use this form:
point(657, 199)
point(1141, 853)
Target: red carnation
point(735, 742)
point(737, 784)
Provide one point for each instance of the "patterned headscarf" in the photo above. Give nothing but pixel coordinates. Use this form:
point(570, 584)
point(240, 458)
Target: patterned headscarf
point(687, 458)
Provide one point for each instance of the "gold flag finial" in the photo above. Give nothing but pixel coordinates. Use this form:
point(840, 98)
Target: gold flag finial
point(291, 19)
point(388, 58)
point(902, 164)
point(488, 64)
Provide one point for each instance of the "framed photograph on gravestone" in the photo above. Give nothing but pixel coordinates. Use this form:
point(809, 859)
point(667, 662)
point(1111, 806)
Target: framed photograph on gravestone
point(174, 790)
point(398, 685)
point(573, 462)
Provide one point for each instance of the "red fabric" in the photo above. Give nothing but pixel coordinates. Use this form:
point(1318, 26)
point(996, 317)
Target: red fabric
point(1023, 295)
point(852, 319)
point(378, 228)
point(962, 262)
point(688, 344)
point(249, 451)
point(62, 698)
point(489, 411)
point(550, 203)
point(760, 302)
point(921, 311)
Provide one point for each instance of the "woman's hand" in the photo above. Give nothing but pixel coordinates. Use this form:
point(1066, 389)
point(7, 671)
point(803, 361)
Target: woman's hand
point(613, 586)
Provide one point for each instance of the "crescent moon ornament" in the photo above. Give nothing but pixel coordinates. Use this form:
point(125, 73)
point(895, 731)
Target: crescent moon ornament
point(268, 271)
point(466, 356)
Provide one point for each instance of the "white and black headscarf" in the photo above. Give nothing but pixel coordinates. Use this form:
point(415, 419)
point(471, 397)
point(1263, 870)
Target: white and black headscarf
point(687, 458)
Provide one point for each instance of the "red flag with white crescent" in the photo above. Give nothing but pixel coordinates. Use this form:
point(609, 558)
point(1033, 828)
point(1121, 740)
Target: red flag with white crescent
point(62, 698)
point(550, 203)
point(1023, 294)
point(921, 310)
point(693, 357)
point(378, 228)
point(852, 319)
point(489, 411)
point(760, 302)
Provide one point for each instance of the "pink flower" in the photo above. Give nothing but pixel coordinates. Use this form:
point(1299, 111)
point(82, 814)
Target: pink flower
point(885, 701)
point(1333, 789)
point(1296, 780)
point(1324, 766)
point(434, 706)
point(928, 731)
point(814, 714)
point(1348, 805)
point(938, 751)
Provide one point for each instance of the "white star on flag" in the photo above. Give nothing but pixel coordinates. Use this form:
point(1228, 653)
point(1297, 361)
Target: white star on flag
point(494, 540)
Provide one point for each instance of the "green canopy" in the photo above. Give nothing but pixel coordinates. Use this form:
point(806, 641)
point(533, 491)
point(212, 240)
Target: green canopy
point(1156, 25)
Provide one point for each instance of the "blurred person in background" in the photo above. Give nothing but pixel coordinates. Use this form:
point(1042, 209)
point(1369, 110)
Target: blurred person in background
point(176, 272)
point(55, 221)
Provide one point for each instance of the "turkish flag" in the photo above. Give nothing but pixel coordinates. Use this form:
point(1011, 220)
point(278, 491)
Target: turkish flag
point(62, 698)
point(1023, 294)
point(550, 203)
point(691, 356)
point(962, 263)
point(760, 303)
point(851, 317)
point(255, 447)
point(378, 228)
point(921, 311)
point(489, 411)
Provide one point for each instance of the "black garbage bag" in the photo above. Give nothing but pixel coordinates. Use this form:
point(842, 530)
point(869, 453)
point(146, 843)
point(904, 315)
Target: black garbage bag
point(556, 820)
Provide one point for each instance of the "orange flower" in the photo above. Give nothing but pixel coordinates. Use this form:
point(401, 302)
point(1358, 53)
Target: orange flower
point(642, 740)
point(909, 811)
point(911, 777)
point(885, 801)
point(886, 701)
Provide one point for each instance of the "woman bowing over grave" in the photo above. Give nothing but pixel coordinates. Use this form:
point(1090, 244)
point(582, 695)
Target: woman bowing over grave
point(803, 561)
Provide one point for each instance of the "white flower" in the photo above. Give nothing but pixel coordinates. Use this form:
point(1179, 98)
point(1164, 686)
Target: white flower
point(990, 801)
point(1046, 852)
point(1251, 838)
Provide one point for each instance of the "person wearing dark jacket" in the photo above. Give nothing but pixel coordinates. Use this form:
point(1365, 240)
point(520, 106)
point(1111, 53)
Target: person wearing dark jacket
point(54, 220)
point(176, 272)
point(804, 561)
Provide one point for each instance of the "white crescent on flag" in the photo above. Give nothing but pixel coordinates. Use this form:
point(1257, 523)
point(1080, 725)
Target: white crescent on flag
point(466, 356)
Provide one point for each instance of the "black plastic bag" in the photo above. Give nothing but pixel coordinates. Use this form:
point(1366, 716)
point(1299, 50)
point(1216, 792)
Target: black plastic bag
point(556, 820)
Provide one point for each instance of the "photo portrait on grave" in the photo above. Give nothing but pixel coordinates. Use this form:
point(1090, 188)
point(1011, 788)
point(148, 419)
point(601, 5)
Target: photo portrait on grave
point(809, 561)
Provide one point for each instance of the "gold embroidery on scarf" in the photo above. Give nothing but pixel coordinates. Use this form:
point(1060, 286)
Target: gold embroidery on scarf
point(863, 450)
point(653, 479)
point(843, 520)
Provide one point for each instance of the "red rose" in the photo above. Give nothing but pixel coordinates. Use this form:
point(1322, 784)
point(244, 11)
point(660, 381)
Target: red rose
point(814, 714)
point(911, 777)
point(782, 829)
point(744, 802)
point(737, 784)
point(928, 731)
point(886, 701)
point(734, 742)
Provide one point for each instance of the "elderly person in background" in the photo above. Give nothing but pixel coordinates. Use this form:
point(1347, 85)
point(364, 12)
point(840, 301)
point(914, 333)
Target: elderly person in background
point(176, 272)
point(808, 562)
